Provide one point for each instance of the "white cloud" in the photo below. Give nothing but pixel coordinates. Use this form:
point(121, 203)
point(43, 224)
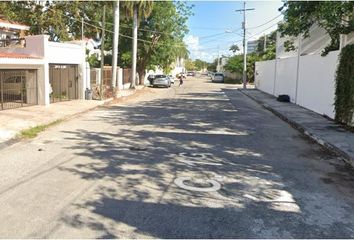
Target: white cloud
point(264, 12)
point(196, 50)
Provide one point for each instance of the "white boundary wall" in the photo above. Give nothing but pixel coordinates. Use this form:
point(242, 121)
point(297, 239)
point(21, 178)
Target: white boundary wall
point(265, 76)
point(285, 77)
point(316, 86)
point(310, 84)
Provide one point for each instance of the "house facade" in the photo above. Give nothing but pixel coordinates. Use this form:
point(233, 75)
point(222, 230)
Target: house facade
point(38, 71)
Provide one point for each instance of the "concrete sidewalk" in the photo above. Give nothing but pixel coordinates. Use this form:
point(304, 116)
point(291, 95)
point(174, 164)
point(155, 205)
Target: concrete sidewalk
point(13, 121)
point(322, 130)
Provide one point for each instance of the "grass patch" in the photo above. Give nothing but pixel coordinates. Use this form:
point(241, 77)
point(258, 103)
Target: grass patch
point(34, 131)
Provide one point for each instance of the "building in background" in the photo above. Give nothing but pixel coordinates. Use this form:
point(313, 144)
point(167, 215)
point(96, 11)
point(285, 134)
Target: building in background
point(12, 33)
point(252, 46)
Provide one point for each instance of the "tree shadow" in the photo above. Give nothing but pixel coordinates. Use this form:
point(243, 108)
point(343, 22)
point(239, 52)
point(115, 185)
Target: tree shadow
point(136, 196)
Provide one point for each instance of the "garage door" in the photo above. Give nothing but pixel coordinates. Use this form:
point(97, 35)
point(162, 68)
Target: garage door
point(18, 88)
point(64, 82)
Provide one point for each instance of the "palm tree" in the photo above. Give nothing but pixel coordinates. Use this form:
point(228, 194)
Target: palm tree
point(137, 10)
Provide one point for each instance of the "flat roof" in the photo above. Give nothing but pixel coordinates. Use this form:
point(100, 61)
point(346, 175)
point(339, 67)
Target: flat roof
point(16, 55)
point(13, 25)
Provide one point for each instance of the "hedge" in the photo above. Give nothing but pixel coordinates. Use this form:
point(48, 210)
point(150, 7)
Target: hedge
point(344, 92)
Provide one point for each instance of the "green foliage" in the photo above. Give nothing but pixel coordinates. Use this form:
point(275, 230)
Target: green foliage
point(234, 48)
point(196, 64)
point(34, 131)
point(93, 61)
point(163, 32)
point(212, 66)
point(59, 19)
point(162, 27)
point(344, 93)
point(235, 64)
point(336, 17)
point(189, 65)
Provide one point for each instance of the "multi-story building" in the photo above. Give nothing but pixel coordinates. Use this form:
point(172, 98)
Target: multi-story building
point(252, 46)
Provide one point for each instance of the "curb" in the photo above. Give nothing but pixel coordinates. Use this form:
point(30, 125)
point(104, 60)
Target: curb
point(343, 155)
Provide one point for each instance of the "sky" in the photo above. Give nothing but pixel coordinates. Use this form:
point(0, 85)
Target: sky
point(215, 25)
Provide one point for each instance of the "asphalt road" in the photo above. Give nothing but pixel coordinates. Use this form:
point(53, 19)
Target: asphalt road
point(197, 161)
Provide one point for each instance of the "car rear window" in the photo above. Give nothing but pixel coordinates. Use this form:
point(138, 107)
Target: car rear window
point(160, 76)
point(219, 74)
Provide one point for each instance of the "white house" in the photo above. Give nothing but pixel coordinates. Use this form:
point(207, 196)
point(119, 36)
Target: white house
point(42, 72)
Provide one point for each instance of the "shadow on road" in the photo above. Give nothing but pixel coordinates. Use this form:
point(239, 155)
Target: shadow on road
point(258, 199)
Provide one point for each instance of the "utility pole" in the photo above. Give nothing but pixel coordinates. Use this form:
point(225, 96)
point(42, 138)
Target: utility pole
point(135, 44)
point(102, 49)
point(265, 43)
point(82, 28)
point(244, 74)
point(218, 65)
point(115, 44)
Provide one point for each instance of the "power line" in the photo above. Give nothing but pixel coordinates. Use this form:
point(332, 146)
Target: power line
point(263, 30)
point(123, 35)
point(265, 22)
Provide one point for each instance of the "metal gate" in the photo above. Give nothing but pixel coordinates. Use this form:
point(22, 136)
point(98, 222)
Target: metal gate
point(63, 80)
point(18, 88)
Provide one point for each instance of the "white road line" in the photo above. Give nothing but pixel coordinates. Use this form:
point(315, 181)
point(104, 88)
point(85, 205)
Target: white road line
point(180, 183)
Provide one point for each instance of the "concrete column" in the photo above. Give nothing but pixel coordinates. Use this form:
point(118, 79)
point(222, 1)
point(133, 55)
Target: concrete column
point(43, 85)
point(88, 76)
point(120, 78)
point(81, 80)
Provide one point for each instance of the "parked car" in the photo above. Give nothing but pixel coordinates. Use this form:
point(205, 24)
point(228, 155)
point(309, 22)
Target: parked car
point(172, 79)
point(161, 80)
point(218, 77)
point(13, 85)
point(190, 73)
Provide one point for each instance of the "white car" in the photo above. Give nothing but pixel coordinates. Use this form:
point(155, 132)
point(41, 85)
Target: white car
point(172, 79)
point(218, 77)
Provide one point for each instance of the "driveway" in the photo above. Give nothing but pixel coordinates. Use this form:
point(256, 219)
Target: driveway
point(197, 161)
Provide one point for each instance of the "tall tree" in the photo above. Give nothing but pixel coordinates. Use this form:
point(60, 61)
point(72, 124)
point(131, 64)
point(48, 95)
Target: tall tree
point(161, 36)
point(61, 20)
point(137, 10)
point(234, 48)
point(335, 17)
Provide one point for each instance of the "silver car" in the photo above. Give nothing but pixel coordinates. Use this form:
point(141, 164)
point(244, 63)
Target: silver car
point(172, 79)
point(218, 77)
point(161, 81)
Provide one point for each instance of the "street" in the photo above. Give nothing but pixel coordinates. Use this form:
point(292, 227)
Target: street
point(198, 161)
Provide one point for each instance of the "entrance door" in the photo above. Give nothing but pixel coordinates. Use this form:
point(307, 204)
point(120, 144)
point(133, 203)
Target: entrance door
point(64, 82)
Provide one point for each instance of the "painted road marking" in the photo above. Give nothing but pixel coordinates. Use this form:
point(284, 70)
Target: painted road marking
point(180, 183)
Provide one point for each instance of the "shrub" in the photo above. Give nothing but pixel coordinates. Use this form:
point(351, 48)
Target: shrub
point(344, 92)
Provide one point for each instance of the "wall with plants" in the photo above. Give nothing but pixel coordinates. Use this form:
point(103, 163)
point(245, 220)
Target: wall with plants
point(344, 93)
